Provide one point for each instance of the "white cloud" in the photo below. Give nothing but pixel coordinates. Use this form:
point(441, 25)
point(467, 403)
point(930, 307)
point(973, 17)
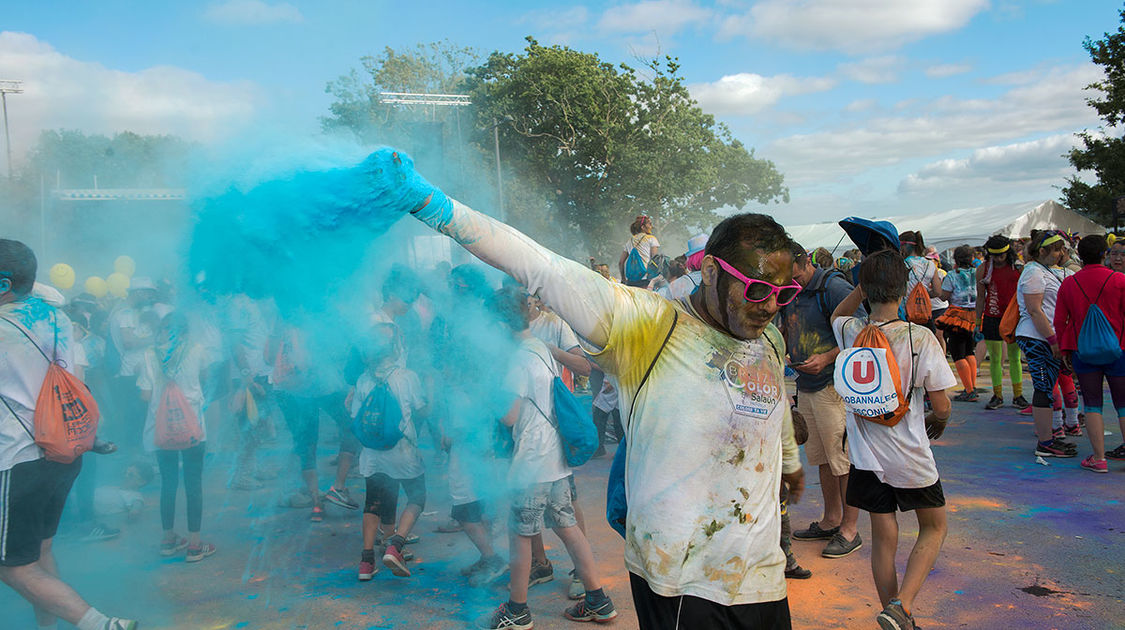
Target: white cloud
point(63, 92)
point(665, 17)
point(748, 93)
point(851, 26)
point(1054, 104)
point(944, 70)
point(873, 69)
point(862, 105)
point(252, 13)
point(556, 19)
point(1041, 160)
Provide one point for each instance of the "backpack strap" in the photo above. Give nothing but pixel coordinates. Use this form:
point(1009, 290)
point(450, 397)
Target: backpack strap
point(549, 418)
point(17, 417)
point(913, 354)
point(26, 333)
point(644, 379)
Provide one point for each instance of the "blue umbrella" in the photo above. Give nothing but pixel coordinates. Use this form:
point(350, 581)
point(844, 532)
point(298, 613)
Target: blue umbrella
point(870, 236)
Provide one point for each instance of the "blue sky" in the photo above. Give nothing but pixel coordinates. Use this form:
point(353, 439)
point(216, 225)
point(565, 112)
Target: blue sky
point(869, 107)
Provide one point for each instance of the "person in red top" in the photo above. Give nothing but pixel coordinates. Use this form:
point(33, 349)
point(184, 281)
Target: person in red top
point(996, 286)
point(1094, 284)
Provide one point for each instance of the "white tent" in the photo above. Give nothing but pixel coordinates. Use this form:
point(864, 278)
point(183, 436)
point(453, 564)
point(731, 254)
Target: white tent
point(945, 230)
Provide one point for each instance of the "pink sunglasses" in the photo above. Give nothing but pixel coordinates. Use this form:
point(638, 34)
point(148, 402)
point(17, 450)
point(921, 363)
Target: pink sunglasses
point(760, 290)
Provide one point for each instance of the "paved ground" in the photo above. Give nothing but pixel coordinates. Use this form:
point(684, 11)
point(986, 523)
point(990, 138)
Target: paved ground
point(1030, 546)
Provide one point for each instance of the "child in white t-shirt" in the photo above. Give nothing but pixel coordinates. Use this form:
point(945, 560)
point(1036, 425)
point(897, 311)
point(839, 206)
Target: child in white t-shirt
point(893, 467)
point(399, 466)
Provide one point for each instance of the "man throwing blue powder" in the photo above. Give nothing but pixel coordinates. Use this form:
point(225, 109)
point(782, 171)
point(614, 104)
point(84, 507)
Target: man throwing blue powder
point(702, 400)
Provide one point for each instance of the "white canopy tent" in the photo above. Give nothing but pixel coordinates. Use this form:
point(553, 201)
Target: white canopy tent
point(945, 230)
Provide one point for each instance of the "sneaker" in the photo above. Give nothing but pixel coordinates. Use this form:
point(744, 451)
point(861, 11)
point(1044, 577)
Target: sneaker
point(103, 447)
point(1074, 431)
point(393, 560)
point(894, 617)
point(797, 572)
point(341, 498)
point(101, 532)
point(407, 554)
point(171, 547)
point(473, 568)
point(1019, 402)
point(576, 590)
point(199, 552)
point(1095, 465)
point(814, 532)
point(1025, 410)
point(995, 402)
point(317, 515)
point(1058, 433)
point(117, 623)
point(503, 619)
point(963, 396)
point(245, 482)
point(1117, 453)
point(839, 546)
point(367, 570)
point(412, 539)
point(972, 397)
point(491, 570)
point(540, 573)
point(1053, 450)
point(585, 611)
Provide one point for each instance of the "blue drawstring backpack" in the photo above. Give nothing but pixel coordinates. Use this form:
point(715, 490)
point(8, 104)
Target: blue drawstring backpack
point(1098, 343)
point(635, 267)
point(377, 425)
point(572, 420)
point(616, 504)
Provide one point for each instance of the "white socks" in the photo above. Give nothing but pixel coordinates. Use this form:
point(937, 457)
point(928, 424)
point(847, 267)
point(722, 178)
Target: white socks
point(1071, 416)
point(92, 620)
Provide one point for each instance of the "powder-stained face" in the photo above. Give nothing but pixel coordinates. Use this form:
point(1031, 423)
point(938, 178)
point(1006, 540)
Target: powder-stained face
point(724, 297)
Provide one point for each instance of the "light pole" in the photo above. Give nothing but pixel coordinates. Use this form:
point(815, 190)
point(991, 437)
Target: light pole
point(8, 87)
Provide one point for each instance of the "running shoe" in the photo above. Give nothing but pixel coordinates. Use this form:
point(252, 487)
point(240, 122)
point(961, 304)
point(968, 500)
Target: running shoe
point(317, 515)
point(393, 560)
point(171, 547)
point(839, 546)
point(1019, 402)
point(797, 572)
point(474, 567)
point(815, 532)
point(1058, 433)
point(963, 396)
point(504, 619)
point(540, 573)
point(1095, 465)
point(1117, 453)
point(101, 532)
point(995, 402)
point(117, 623)
point(245, 482)
point(1025, 410)
point(367, 570)
point(412, 539)
point(199, 552)
point(894, 617)
point(297, 500)
point(492, 569)
point(576, 589)
point(1053, 450)
point(972, 397)
point(340, 497)
point(1074, 431)
point(601, 612)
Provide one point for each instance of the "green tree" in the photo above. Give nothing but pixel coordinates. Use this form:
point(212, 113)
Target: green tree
point(606, 143)
point(1103, 152)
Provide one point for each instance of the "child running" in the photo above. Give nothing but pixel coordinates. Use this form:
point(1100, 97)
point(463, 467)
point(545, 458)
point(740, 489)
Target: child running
point(175, 431)
point(539, 479)
point(395, 463)
point(892, 466)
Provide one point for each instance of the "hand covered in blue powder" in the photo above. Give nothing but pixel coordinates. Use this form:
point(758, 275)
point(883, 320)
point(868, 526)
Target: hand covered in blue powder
point(397, 187)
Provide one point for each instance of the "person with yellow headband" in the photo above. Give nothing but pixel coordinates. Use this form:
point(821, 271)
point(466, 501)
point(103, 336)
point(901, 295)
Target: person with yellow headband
point(1036, 294)
point(996, 287)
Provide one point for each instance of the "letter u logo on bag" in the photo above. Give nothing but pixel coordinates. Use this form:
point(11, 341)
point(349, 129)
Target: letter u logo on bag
point(863, 373)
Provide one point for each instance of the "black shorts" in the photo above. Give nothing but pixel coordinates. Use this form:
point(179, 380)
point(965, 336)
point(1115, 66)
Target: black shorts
point(382, 495)
point(467, 512)
point(867, 493)
point(32, 497)
point(990, 328)
point(656, 612)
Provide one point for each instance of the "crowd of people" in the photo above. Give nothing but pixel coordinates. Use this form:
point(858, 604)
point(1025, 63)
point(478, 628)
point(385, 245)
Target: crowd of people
point(709, 369)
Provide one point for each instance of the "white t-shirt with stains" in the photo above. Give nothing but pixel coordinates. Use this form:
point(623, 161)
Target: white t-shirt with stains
point(708, 436)
point(403, 460)
point(900, 455)
point(537, 456)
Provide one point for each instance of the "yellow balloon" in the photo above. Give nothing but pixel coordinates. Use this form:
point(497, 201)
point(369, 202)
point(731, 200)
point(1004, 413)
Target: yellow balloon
point(125, 266)
point(118, 284)
point(62, 276)
point(96, 287)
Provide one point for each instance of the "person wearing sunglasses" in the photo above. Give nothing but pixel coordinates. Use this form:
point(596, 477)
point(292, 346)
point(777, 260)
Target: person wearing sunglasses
point(701, 384)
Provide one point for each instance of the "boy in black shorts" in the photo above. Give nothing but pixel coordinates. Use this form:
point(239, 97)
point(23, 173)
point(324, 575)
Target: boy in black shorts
point(892, 467)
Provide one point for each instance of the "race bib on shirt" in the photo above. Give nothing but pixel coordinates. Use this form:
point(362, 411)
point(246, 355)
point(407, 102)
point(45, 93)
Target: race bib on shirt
point(863, 379)
point(751, 384)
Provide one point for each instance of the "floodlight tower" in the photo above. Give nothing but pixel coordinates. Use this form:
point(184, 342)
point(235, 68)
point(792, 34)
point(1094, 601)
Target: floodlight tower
point(8, 87)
